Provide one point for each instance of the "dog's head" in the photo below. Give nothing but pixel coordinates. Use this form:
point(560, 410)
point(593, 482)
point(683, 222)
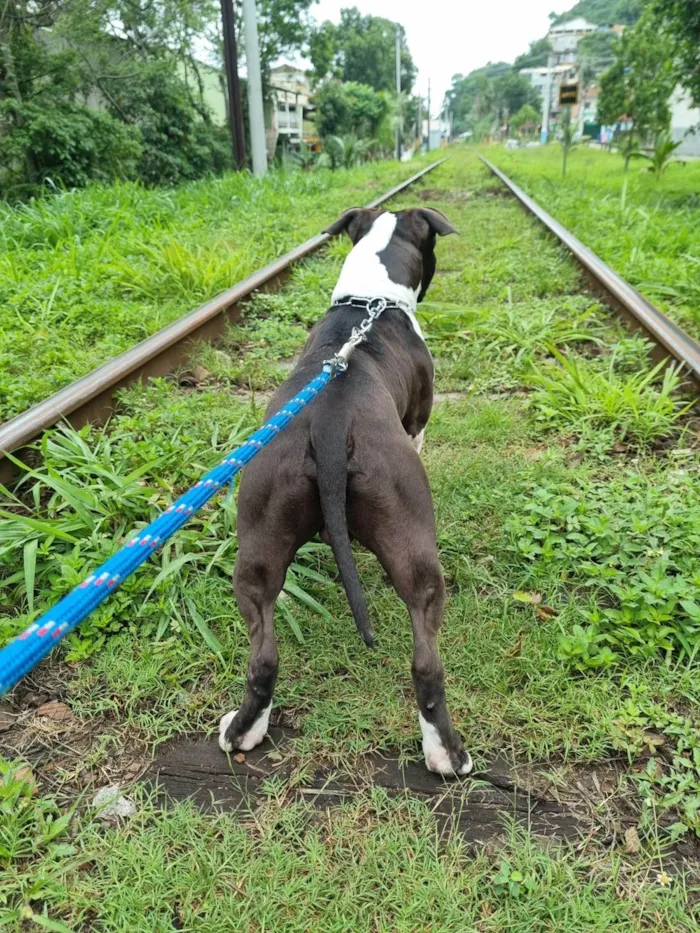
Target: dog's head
point(409, 253)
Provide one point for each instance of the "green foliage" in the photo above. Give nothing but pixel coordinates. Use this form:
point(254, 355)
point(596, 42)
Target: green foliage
point(535, 57)
point(581, 395)
point(605, 12)
point(596, 53)
point(567, 132)
point(648, 232)
point(490, 95)
point(639, 84)
point(176, 144)
point(343, 152)
point(86, 274)
point(70, 145)
point(680, 21)
point(349, 108)
point(662, 155)
point(630, 542)
point(30, 829)
point(361, 49)
point(669, 782)
point(526, 120)
point(283, 28)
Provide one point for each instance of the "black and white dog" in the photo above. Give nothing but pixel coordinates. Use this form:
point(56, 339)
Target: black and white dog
point(348, 467)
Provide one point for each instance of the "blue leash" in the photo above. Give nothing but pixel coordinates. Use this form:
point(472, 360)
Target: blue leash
point(36, 641)
point(28, 649)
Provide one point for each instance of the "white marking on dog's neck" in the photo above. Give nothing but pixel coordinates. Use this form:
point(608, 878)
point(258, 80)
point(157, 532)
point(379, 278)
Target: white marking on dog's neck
point(364, 275)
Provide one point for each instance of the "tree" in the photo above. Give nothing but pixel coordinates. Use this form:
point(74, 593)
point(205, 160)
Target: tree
point(361, 49)
point(567, 131)
point(535, 57)
point(350, 109)
point(526, 120)
point(680, 20)
point(596, 53)
point(56, 54)
point(604, 12)
point(283, 27)
point(494, 92)
point(638, 86)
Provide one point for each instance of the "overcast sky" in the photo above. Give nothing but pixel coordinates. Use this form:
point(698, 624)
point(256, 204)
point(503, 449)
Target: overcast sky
point(448, 37)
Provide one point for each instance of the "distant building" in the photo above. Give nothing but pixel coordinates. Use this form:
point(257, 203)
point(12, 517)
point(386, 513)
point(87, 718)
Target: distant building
point(291, 108)
point(565, 37)
point(563, 67)
point(685, 124)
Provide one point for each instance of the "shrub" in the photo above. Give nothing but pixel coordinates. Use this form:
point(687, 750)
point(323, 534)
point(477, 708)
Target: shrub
point(70, 144)
point(632, 541)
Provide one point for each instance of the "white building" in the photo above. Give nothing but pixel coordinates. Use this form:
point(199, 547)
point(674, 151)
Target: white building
point(565, 37)
point(684, 119)
point(291, 106)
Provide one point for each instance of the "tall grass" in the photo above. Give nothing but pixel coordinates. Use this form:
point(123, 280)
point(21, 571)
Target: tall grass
point(647, 229)
point(86, 274)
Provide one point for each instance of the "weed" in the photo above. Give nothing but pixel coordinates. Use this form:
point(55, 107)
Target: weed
point(31, 827)
point(631, 540)
point(578, 394)
point(669, 781)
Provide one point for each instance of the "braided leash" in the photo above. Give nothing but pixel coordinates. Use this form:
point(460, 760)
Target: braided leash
point(37, 640)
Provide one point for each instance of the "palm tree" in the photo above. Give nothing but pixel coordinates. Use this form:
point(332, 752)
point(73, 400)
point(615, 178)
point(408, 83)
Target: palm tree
point(664, 147)
point(568, 131)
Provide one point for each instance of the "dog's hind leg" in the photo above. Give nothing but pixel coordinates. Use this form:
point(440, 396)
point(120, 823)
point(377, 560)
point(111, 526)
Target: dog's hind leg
point(277, 512)
point(257, 583)
point(396, 522)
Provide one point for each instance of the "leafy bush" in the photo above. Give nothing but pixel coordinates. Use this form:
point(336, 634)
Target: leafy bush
point(70, 144)
point(177, 143)
point(350, 108)
point(632, 542)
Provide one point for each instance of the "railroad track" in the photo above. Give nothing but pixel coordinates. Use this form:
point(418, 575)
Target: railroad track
point(669, 340)
point(91, 398)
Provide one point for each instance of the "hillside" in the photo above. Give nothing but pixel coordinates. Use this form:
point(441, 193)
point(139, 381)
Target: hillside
point(605, 12)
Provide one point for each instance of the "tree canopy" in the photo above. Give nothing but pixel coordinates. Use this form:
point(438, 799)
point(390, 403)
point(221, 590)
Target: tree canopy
point(639, 84)
point(361, 49)
point(489, 95)
point(101, 89)
point(604, 12)
point(680, 20)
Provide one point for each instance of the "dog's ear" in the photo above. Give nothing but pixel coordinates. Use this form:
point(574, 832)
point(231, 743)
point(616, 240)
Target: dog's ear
point(437, 221)
point(356, 221)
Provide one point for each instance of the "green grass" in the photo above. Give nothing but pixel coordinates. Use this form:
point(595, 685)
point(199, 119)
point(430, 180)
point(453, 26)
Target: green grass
point(647, 229)
point(570, 635)
point(377, 863)
point(84, 275)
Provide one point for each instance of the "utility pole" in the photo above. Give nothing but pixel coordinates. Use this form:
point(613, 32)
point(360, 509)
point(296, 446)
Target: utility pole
point(398, 94)
point(235, 109)
point(428, 114)
point(255, 98)
point(546, 96)
point(419, 121)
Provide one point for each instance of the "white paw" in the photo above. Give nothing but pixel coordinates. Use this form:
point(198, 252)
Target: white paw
point(436, 755)
point(418, 441)
point(253, 736)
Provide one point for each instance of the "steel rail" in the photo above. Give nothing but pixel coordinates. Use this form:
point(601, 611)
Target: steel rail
point(669, 339)
point(90, 398)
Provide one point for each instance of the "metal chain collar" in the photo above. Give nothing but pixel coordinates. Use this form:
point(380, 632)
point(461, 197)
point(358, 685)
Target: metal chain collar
point(375, 307)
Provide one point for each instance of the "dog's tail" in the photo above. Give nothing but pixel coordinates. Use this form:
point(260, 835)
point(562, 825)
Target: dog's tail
point(330, 445)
